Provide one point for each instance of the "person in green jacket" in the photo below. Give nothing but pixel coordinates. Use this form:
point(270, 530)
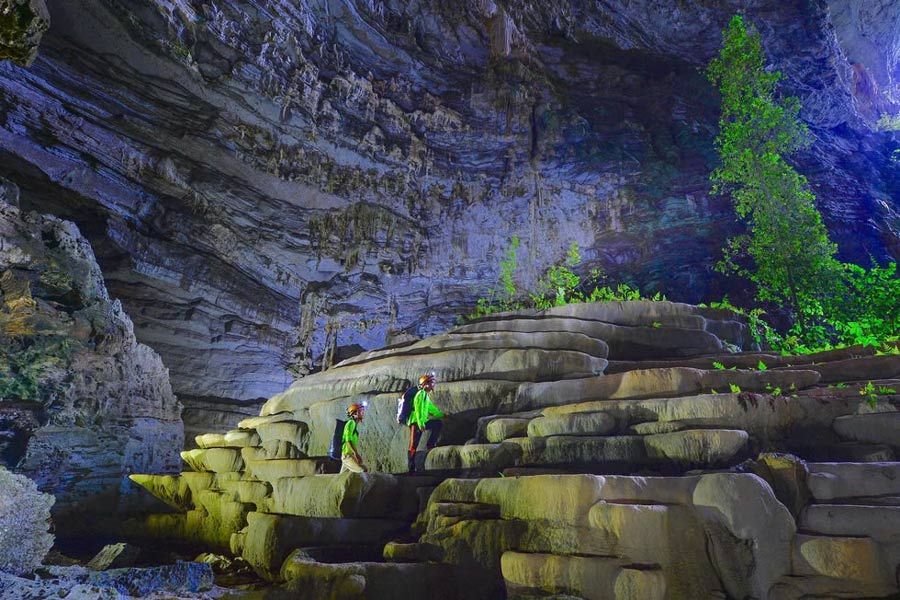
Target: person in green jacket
point(421, 419)
point(351, 459)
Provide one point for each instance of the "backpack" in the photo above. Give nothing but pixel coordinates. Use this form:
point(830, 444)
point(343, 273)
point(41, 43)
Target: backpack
point(337, 439)
point(405, 404)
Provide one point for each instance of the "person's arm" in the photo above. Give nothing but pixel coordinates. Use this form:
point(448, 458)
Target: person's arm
point(357, 455)
point(434, 410)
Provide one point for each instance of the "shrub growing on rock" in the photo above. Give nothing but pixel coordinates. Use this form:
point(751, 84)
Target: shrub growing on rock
point(24, 523)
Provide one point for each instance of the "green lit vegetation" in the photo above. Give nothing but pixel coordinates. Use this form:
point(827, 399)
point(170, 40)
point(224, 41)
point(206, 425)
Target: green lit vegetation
point(785, 251)
point(24, 364)
point(559, 286)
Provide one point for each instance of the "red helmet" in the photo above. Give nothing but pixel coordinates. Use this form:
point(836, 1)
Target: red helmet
point(426, 380)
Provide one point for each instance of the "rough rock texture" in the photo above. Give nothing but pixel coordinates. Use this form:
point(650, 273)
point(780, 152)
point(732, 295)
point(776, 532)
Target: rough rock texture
point(82, 404)
point(182, 580)
point(632, 486)
point(22, 23)
point(272, 185)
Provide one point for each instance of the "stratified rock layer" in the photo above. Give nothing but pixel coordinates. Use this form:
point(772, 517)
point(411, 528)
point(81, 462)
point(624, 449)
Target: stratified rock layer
point(82, 404)
point(557, 480)
point(273, 185)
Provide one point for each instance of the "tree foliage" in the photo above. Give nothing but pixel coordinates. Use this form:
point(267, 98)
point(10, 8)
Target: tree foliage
point(791, 259)
point(786, 241)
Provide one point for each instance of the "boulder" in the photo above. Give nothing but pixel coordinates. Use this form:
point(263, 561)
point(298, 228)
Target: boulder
point(854, 560)
point(114, 556)
point(751, 533)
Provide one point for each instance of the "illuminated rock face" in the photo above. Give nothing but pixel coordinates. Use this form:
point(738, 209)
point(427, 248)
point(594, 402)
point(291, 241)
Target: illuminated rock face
point(82, 404)
point(697, 473)
point(268, 185)
point(22, 23)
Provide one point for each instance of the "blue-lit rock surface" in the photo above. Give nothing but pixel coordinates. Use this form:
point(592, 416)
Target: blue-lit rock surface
point(268, 184)
point(82, 403)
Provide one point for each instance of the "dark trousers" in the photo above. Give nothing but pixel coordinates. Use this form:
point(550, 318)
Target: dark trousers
point(415, 435)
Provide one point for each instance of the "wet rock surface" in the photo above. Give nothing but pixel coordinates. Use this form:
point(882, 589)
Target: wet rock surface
point(272, 186)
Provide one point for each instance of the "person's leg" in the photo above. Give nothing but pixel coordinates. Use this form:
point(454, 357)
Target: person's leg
point(348, 463)
point(415, 434)
point(434, 432)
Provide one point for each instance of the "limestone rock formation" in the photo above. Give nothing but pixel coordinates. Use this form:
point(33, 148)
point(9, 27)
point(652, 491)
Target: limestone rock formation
point(22, 23)
point(82, 404)
point(660, 481)
point(274, 185)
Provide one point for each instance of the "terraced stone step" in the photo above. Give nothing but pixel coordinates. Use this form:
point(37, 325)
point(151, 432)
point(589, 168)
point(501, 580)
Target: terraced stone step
point(270, 538)
point(236, 438)
point(308, 580)
point(394, 373)
point(683, 448)
point(881, 523)
point(656, 383)
point(624, 342)
point(875, 428)
point(504, 340)
point(592, 578)
point(847, 481)
point(849, 563)
point(216, 460)
point(273, 469)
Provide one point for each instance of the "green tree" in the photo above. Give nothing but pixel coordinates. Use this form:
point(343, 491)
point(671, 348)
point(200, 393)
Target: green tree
point(792, 258)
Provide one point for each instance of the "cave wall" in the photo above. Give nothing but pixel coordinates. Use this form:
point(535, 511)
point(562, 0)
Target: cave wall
point(268, 183)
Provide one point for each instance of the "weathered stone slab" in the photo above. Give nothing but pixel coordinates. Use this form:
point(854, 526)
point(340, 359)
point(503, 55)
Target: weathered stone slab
point(485, 457)
point(293, 432)
point(218, 460)
point(171, 489)
point(500, 340)
point(750, 532)
point(624, 342)
point(850, 559)
point(638, 531)
point(592, 578)
point(830, 481)
point(273, 469)
point(868, 368)
point(613, 451)
point(254, 422)
point(881, 523)
point(582, 423)
point(876, 428)
point(707, 447)
point(501, 428)
point(654, 383)
point(348, 495)
point(393, 374)
point(558, 498)
point(764, 417)
point(270, 538)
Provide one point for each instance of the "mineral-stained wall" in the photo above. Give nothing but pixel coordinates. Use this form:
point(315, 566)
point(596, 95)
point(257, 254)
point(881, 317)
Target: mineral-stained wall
point(82, 404)
point(268, 183)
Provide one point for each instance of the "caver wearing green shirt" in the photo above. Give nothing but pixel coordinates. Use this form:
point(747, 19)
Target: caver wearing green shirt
point(351, 460)
point(421, 420)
